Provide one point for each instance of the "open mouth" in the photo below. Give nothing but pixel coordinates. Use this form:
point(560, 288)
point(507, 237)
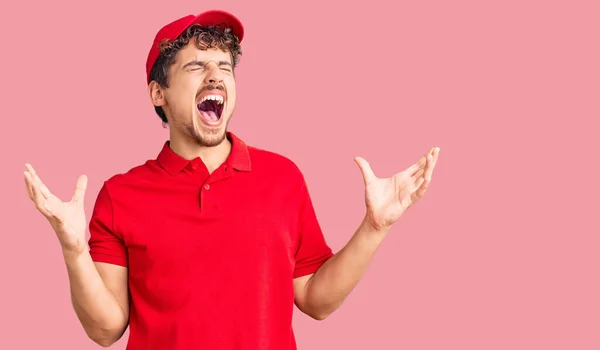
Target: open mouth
point(210, 107)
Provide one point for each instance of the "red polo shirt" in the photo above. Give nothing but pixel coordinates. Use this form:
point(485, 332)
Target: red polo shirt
point(211, 258)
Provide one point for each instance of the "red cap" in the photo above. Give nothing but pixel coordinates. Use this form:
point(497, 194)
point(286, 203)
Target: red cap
point(172, 30)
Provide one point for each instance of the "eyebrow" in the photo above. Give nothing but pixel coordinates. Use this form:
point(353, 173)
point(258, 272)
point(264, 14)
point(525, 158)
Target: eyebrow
point(201, 64)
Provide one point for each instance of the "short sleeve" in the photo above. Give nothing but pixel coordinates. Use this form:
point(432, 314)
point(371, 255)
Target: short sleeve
point(312, 250)
point(105, 244)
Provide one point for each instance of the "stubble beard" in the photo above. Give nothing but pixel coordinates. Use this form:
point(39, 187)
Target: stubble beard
point(208, 137)
point(205, 136)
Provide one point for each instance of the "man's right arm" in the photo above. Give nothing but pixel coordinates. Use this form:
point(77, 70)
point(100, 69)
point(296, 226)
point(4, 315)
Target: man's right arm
point(97, 271)
point(100, 297)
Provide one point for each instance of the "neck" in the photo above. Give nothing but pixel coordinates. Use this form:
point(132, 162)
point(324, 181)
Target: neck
point(212, 157)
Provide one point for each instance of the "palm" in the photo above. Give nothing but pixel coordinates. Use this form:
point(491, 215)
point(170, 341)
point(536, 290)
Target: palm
point(66, 218)
point(388, 198)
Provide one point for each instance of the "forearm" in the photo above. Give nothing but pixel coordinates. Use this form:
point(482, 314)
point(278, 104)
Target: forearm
point(335, 279)
point(99, 312)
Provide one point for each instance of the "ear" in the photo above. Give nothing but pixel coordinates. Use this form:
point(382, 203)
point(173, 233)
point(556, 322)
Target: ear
point(156, 94)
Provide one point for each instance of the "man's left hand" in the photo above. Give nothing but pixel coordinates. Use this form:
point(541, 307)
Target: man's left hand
point(387, 199)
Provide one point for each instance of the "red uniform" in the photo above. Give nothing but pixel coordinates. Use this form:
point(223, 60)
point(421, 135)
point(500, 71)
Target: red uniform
point(211, 258)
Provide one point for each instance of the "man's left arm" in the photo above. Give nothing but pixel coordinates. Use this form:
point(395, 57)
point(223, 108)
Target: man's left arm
point(321, 293)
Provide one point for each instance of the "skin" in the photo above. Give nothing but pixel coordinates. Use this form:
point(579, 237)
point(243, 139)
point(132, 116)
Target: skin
point(386, 199)
point(194, 73)
point(99, 291)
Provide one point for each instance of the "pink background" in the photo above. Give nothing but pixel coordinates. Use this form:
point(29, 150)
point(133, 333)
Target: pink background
point(502, 253)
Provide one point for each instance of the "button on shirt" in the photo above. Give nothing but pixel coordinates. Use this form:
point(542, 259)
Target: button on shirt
point(211, 257)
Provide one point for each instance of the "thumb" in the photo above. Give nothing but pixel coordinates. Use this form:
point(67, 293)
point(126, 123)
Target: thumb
point(80, 188)
point(365, 169)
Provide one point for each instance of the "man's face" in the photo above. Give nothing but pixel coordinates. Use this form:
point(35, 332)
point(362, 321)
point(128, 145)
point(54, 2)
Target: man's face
point(201, 96)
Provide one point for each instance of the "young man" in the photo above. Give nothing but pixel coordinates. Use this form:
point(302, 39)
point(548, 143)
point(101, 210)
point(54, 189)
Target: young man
point(211, 244)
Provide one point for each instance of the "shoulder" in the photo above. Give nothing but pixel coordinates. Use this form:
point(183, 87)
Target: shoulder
point(131, 178)
point(275, 163)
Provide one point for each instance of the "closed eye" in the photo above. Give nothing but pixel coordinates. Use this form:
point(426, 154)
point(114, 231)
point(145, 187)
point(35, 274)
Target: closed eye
point(197, 65)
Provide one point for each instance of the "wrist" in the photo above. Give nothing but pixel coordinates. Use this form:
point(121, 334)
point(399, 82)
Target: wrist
point(373, 230)
point(373, 226)
point(73, 254)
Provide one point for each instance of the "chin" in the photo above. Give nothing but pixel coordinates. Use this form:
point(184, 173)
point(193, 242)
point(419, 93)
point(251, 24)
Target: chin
point(210, 140)
point(209, 136)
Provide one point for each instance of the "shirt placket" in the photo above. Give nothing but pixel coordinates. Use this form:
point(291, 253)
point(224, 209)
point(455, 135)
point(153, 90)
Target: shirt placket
point(207, 200)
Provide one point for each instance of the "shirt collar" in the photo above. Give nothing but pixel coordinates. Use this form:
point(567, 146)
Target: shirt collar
point(239, 157)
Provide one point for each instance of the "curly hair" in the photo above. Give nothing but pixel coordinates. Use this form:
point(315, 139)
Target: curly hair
point(205, 37)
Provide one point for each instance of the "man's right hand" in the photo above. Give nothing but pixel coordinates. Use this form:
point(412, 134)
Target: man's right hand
point(67, 218)
point(99, 291)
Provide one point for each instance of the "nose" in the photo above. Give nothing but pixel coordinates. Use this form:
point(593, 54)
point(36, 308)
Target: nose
point(213, 73)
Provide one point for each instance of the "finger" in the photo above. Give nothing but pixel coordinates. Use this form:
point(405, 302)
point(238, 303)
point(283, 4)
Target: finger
point(365, 169)
point(28, 184)
point(411, 170)
point(80, 187)
point(424, 184)
point(44, 201)
point(433, 162)
point(419, 183)
point(39, 192)
point(31, 171)
point(40, 202)
point(436, 155)
point(44, 190)
point(418, 174)
point(429, 167)
point(37, 181)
